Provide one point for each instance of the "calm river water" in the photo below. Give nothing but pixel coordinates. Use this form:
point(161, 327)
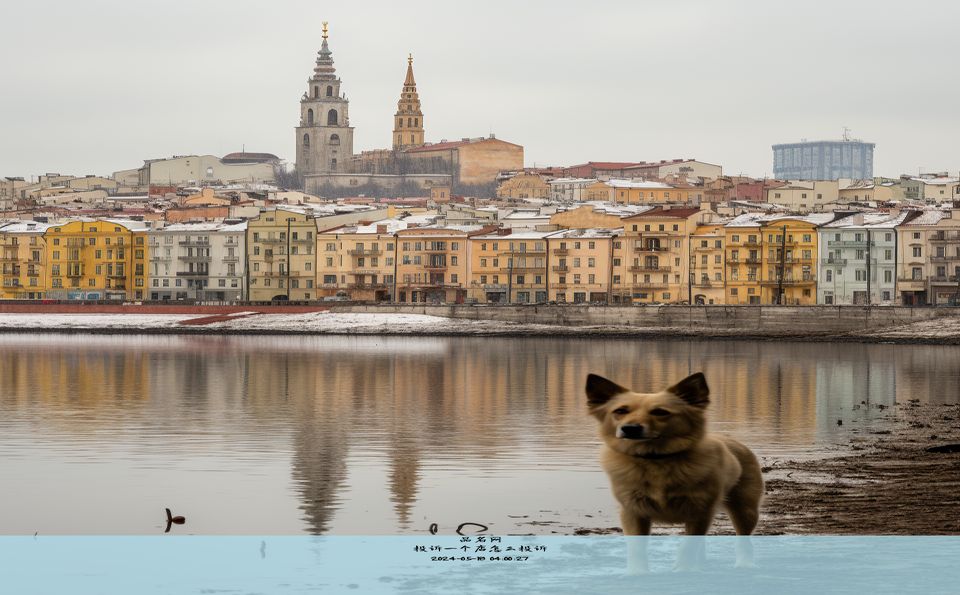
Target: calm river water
point(380, 435)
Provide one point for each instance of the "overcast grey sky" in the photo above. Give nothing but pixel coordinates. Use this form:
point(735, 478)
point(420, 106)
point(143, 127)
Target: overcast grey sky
point(98, 86)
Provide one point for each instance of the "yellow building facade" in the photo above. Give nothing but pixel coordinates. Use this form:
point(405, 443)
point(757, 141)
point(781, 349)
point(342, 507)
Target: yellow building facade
point(789, 270)
point(509, 268)
point(581, 265)
point(433, 264)
point(281, 256)
point(23, 258)
point(658, 254)
point(743, 246)
point(358, 262)
point(524, 185)
point(103, 259)
point(707, 269)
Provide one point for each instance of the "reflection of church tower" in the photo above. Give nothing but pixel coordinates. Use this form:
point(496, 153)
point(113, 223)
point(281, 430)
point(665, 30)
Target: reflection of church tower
point(408, 121)
point(324, 136)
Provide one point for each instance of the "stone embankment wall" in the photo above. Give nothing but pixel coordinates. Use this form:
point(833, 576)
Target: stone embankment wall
point(772, 320)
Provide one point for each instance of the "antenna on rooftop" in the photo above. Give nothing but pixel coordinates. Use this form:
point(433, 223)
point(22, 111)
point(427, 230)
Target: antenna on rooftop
point(846, 133)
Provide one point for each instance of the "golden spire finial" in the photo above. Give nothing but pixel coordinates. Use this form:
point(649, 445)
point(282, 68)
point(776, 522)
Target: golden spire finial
point(325, 29)
point(409, 58)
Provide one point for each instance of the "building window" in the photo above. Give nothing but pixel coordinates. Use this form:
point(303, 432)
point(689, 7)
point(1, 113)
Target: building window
point(332, 118)
point(306, 140)
point(329, 91)
point(310, 117)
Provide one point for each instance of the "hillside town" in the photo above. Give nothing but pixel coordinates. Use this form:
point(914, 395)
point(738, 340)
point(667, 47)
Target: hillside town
point(464, 221)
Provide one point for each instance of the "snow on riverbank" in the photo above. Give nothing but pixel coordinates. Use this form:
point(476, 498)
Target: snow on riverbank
point(92, 321)
point(939, 331)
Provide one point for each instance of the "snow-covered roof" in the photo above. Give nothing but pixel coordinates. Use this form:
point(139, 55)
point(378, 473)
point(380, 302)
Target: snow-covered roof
point(617, 183)
point(599, 233)
point(26, 227)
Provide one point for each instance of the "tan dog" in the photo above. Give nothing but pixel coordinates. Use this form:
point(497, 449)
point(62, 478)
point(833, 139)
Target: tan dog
point(664, 466)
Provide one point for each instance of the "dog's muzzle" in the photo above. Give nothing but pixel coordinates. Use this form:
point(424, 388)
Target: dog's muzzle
point(632, 432)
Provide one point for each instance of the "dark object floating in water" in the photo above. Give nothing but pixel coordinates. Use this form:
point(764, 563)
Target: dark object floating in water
point(945, 448)
point(839, 422)
point(171, 520)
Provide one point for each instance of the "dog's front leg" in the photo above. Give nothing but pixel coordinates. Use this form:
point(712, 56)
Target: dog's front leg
point(693, 550)
point(636, 530)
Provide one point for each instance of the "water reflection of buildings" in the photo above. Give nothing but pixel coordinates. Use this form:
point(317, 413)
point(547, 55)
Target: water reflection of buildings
point(406, 406)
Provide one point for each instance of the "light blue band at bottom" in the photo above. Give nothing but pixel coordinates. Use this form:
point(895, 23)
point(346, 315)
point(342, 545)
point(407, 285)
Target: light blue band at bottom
point(478, 564)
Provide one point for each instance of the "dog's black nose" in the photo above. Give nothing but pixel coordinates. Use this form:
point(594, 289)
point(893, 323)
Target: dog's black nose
point(632, 432)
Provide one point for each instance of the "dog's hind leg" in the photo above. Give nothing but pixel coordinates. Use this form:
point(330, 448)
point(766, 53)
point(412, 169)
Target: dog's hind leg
point(744, 513)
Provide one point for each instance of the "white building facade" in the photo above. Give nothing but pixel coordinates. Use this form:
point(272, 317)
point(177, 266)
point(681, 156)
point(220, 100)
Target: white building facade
point(202, 261)
point(858, 260)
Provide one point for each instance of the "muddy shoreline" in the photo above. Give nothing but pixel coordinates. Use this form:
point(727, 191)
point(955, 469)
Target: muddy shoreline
point(883, 482)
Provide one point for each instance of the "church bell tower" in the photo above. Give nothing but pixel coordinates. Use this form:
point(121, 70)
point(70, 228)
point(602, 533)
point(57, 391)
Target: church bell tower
point(408, 121)
point(324, 136)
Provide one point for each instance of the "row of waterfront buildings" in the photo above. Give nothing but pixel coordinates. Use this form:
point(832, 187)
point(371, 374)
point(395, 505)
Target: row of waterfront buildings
point(592, 253)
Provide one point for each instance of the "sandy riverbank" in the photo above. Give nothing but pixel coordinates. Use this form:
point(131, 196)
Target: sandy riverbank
point(943, 331)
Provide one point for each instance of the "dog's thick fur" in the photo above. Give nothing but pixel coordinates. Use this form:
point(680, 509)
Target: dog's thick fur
point(664, 466)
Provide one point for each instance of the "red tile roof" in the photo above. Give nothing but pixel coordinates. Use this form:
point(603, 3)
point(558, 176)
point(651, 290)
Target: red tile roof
point(662, 212)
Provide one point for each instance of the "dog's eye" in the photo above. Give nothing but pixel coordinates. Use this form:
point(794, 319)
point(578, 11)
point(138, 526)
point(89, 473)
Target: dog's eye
point(621, 411)
point(659, 412)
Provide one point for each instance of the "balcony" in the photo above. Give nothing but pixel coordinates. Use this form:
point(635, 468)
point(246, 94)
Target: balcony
point(651, 285)
point(303, 240)
point(751, 244)
point(435, 266)
point(752, 260)
point(560, 252)
point(847, 243)
point(561, 268)
point(116, 275)
point(837, 262)
point(648, 269)
point(366, 252)
point(230, 259)
point(366, 285)
point(650, 249)
point(157, 258)
point(803, 281)
point(435, 249)
point(705, 283)
point(204, 273)
point(194, 258)
point(532, 252)
point(519, 268)
point(944, 279)
point(941, 236)
point(270, 241)
point(945, 258)
point(194, 243)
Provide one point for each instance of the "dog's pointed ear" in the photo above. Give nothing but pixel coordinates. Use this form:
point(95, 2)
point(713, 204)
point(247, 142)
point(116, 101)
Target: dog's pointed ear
point(692, 389)
point(600, 390)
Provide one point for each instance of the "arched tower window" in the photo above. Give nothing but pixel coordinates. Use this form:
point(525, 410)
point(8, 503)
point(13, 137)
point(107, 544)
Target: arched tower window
point(416, 122)
point(399, 122)
point(409, 122)
point(412, 142)
point(399, 140)
point(316, 91)
point(333, 165)
point(309, 117)
point(334, 139)
point(332, 118)
point(306, 140)
point(329, 91)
